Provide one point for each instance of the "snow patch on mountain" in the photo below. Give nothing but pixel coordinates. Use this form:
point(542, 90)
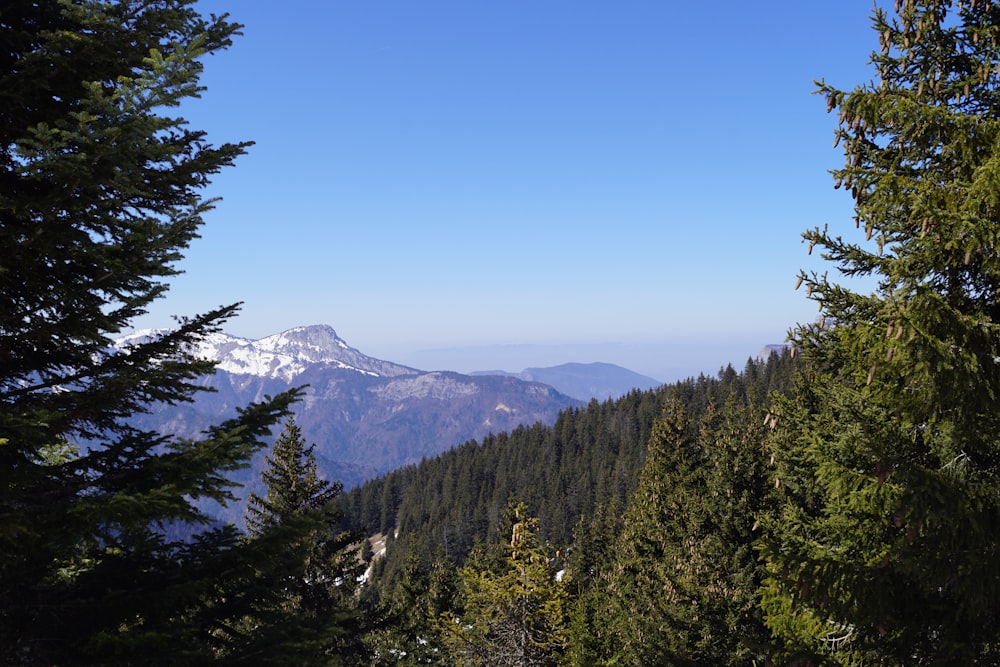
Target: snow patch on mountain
point(283, 356)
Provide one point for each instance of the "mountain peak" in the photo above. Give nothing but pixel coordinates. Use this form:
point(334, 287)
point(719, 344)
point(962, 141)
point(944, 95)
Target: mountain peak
point(288, 354)
point(284, 355)
point(317, 343)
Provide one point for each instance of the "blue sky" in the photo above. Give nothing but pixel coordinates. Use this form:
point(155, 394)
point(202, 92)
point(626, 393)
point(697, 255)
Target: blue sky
point(473, 185)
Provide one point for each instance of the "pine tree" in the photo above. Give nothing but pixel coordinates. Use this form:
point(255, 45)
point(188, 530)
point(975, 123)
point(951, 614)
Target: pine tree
point(639, 598)
point(513, 617)
point(411, 634)
point(100, 195)
point(323, 565)
point(292, 481)
point(682, 583)
point(592, 550)
point(886, 548)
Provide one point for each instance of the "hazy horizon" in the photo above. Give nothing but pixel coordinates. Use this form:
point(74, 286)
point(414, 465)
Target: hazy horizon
point(468, 176)
point(663, 362)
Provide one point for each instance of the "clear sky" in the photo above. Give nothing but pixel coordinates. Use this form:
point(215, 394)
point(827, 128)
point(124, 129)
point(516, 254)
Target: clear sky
point(497, 184)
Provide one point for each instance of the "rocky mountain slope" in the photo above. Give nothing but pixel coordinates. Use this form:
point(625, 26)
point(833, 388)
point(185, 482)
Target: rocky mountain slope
point(366, 416)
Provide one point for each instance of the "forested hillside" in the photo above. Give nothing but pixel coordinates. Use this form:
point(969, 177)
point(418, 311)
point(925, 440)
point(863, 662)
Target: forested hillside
point(576, 478)
point(837, 505)
point(589, 458)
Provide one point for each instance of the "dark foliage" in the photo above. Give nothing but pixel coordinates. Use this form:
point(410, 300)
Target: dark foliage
point(99, 197)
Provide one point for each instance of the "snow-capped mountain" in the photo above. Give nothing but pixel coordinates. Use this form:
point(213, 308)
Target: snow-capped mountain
point(365, 416)
point(285, 355)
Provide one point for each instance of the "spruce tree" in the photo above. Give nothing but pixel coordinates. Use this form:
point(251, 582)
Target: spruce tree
point(682, 583)
point(886, 550)
point(589, 558)
point(100, 195)
point(292, 482)
point(323, 563)
point(411, 634)
point(513, 615)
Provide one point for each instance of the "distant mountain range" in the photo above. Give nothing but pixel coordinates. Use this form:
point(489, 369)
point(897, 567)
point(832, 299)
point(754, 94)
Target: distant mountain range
point(368, 416)
point(585, 381)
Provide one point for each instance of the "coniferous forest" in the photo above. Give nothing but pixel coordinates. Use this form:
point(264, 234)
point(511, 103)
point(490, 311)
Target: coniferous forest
point(838, 504)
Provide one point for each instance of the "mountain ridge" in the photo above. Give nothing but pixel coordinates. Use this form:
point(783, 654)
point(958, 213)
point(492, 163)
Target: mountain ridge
point(365, 415)
point(291, 353)
point(585, 381)
point(284, 355)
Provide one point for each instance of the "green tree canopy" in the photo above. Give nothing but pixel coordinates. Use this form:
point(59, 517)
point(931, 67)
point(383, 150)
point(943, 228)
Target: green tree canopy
point(885, 550)
point(681, 584)
point(515, 615)
point(100, 194)
point(320, 586)
point(293, 484)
